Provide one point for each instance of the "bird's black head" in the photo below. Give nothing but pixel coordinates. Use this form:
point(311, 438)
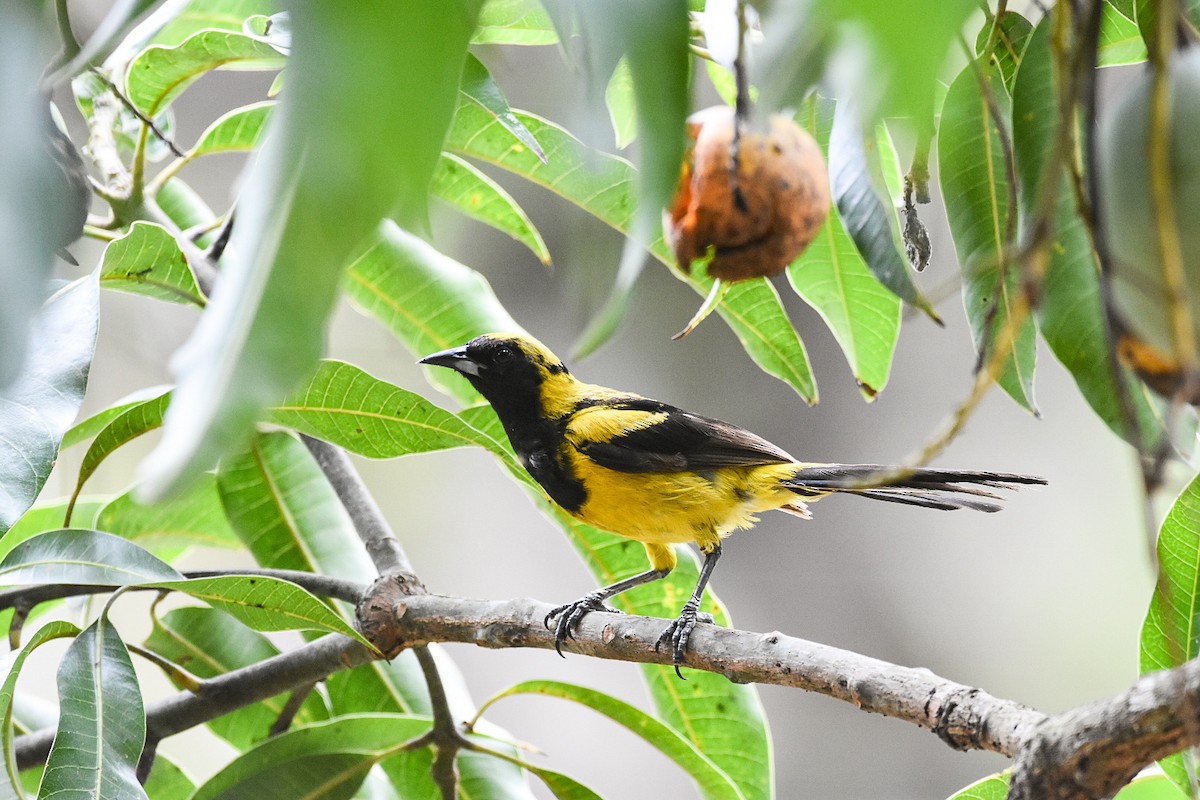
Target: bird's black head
point(511, 371)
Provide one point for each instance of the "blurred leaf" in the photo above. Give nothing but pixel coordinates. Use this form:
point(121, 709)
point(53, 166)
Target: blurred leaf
point(102, 727)
point(265, 603)
point(428, 300)
point(834, 279)
point(863, 214)
point(159, 74)
point(38, 408)
point(238, 130)
point(148, 261)
point(285, 511)
point(86, 429)
point(522, 22)
point(735, 737)
point(207, 643)
point(195, 518)
point(464, 187)
point(908, 49)
point(1120, 40)
point(34, 190)
point(10, 668)
point(713, 782)
point(355, 80)
point(654, 37)
point(112, 28)
point(602, 185)
point(167, 781)
point(1146, 14)
point(82, 557)
point(1169, 634)
point(622, 107)
point(974, 175)
point(352, 409)
point(139, 419)
point(993, 787)
point(479, 88)
point(322, 761)
point(1070, 313)
point(1011, 37)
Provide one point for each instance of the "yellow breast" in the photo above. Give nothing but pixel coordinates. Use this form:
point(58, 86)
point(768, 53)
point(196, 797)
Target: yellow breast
point(676, 507)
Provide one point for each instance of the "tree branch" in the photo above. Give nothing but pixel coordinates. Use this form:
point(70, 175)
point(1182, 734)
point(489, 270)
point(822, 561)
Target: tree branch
point(308, 664)
point(964, 717)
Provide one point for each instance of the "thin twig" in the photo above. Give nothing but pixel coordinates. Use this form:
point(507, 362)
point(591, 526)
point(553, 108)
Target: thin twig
point(291, 708)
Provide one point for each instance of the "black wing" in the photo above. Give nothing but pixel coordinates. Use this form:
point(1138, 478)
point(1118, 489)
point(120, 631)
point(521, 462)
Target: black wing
point(633, 434)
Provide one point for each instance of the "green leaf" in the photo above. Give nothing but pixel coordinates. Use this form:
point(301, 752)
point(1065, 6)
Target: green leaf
point(1120, 40)
point(479, 88)
point(11, 666)
point(1011, 37)
point(265, 604)
point(183, 205)
point(711, 779)
point(194, 518)
point(354, 410)
point(160, 73)
point(207, 643)
point(199, 15)
point(520, 22)
point(35, 191)
point(260, 337)
point(322, 761)
point(237, 131)
point(1151, 787)
point(102, 726)
point(1170, 635)
point(974, 176)
point(863, 214)
point(735, 737)
point(622, 107)
point(286, 513)
point(135, 421)
point(1070, 313)
point(464, 187)
point(993, 787)
point(86, 429)
point(834, 279)
point(48, 517)
point(603, 185)
point(167, 781)
point(428, 300)
point(148, 261)
point(83, 557)
point(37, 409)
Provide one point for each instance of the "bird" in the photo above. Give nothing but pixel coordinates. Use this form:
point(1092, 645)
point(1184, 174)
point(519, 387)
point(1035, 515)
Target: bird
point(660, 475)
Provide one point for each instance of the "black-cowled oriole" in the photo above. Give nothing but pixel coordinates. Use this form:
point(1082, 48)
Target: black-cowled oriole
point(660, 475)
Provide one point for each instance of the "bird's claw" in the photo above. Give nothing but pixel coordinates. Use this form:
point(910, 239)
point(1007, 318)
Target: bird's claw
point(679, 631)
point(569, 615)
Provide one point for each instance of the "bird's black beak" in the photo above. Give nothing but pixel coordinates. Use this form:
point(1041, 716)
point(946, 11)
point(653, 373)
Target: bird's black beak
point(455, 358)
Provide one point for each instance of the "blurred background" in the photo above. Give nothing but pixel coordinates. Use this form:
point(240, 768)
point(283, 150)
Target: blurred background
point(1041, 603)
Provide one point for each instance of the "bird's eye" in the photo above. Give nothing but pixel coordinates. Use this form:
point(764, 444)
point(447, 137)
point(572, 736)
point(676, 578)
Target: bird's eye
point(502, 356)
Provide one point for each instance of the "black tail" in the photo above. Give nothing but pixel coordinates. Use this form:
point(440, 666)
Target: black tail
point(942, 489)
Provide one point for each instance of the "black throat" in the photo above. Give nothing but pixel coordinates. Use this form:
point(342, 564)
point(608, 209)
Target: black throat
point(538, 441)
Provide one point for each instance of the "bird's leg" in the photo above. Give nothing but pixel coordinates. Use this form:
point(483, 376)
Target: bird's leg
point(678, 632)
point(569, 614)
